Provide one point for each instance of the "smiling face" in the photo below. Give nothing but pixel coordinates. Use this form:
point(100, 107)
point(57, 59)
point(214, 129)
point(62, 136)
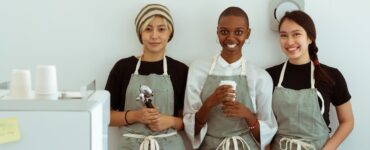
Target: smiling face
point(155, 35)
point(294, 42)
point(232, 31)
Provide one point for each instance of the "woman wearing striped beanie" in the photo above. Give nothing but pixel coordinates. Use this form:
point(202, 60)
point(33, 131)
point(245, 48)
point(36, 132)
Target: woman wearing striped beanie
point(149, 117)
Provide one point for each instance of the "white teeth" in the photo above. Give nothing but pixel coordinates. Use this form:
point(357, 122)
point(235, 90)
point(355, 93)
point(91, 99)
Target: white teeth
point(231, 45)
point(292, 49)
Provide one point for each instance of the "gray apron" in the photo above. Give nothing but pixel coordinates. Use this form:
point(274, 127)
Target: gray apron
point(225, 132)
point(300, 121)
point(139, 136)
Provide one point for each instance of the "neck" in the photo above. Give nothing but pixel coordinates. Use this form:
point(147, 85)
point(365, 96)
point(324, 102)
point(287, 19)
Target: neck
point(152, 57)
point(231, 57)
point(299, 61)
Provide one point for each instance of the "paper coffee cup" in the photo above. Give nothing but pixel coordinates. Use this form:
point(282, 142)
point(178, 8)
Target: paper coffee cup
point(20, 84)
point(229, 82)
point(46, 82)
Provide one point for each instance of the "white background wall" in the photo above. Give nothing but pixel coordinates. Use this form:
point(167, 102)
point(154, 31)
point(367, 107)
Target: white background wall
point(84, 38)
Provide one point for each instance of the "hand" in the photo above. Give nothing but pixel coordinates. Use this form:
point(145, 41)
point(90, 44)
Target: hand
point(222, 94)
point(328, 148)
point(148, 115)
point(235, 109)
point(162, 123)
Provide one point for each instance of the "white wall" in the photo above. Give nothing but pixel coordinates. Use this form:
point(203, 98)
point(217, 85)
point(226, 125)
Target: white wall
point(84, 38)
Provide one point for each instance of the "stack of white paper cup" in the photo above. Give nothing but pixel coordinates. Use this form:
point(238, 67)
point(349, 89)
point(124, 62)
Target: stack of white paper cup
point(20, 84)
point(228, 82)
point(46, 82)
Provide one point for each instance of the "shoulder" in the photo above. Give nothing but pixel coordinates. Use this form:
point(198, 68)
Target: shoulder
point(124, 65)
point(255, 70)
point(125, 62)
point(257, 73)
point(334, 73)
point(275, 70)
point(330, 70)
point(201, 65)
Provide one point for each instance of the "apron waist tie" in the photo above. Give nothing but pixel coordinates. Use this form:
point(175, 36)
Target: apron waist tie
point(300, 144)
point(225, 144)
point(149, 140)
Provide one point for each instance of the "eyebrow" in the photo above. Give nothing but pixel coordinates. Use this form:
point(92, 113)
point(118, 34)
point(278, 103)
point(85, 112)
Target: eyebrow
point(298, 30)
point(161, 25)
point(237, 28)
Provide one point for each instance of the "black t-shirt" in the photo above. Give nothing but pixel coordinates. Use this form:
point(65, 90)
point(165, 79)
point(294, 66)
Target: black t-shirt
point(299, 77)
point(120, 76)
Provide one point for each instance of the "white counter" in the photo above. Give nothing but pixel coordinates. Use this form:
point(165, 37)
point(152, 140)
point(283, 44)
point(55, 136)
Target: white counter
point(72, 124)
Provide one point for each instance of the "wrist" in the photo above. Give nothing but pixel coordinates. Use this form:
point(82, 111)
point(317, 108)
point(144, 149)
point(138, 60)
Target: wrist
point(210, 103)
point(126, 117)
point(132, 116)
point(253, 124)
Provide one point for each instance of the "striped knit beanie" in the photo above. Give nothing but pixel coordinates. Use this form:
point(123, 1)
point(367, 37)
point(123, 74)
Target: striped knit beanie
point(149, 11)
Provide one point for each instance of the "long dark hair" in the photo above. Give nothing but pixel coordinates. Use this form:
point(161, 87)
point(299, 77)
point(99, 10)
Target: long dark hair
point(305, 21)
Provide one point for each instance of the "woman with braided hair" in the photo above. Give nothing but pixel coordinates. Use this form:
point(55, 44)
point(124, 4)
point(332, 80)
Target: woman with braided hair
point(304, 89)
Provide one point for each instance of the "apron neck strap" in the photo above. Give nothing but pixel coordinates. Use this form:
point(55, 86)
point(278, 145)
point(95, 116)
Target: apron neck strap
point(214, 62)
point(312, 75)
point(164, 66)
point(282, 73)
point(312, 84)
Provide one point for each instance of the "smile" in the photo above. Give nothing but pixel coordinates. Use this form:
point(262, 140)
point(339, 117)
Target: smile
point(231, 45)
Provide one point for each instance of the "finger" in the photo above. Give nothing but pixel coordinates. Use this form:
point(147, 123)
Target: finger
point(228, 103)
point(228, 113)
point(228, 100)
point(230, 90)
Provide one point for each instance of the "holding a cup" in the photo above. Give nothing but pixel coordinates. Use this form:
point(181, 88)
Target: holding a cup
point(232, 84)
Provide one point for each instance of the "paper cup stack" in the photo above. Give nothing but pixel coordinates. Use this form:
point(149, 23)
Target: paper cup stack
point(46, 82)
point(20, 84)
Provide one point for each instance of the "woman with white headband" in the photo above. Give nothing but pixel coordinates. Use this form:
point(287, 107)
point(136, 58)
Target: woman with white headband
point(304, 89)
point(147, 91)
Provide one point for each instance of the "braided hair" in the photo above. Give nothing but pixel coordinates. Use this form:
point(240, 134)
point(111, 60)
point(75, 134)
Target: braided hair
point(305, 21)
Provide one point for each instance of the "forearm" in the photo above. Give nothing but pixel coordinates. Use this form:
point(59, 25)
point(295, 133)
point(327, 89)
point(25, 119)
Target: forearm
point(116, 118)
point(119, 118)
point(177, 123)
point(346, 123)
point(201, 116)
point(253, 125)
point(343, 130)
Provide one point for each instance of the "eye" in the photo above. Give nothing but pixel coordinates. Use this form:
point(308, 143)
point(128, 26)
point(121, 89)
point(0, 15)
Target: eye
point(148, 29)
point(283, 35)
point(239, 32)
point(296, 34)
point(224, 32)
point(162, 29)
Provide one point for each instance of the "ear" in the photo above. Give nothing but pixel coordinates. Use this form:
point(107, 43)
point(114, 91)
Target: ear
point(309, 40)
point(248, 33)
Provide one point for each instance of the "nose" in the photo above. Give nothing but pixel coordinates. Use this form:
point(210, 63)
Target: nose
point(155, 34)
point(230, 38)
point(290, 41)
